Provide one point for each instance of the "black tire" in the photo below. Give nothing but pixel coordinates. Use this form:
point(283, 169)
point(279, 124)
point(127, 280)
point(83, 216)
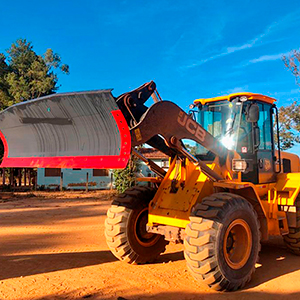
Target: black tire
point(292, 240)
point(125, 227)
point(222, 217)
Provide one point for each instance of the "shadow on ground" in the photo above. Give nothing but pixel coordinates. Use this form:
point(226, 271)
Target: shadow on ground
point(244, 295)
point(25, 265)
point(30, 214)
point(174, 256)
point(275, 261)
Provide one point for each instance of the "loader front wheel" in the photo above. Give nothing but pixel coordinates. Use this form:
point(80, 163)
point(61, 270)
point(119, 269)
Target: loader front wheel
point(222, 241)
point(125, 228)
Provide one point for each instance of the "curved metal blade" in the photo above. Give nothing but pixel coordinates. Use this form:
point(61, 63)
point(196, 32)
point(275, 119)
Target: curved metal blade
point(71, 130)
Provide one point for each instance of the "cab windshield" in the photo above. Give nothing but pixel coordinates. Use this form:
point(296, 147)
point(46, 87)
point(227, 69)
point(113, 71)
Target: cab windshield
point(225, 121)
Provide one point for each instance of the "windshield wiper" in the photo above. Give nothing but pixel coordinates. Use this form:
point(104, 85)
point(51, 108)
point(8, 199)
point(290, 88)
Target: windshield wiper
point(229, 130)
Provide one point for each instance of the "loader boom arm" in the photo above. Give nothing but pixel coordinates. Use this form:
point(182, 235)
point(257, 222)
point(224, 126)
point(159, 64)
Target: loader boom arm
point(165, 119)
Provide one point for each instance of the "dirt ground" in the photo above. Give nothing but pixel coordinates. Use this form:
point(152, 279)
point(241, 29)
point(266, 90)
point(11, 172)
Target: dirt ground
point(53, 247)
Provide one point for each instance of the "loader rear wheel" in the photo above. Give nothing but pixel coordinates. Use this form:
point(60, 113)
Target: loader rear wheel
point(292, 240)
point(222, 241)
point(125, 228)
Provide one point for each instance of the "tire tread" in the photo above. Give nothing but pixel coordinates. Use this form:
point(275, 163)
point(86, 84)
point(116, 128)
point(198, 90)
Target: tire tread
point(201, 233)
point(116, 225)
point(292, 240)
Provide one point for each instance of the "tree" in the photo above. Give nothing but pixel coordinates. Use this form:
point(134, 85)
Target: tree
point(289, 125)
point(25, 75)
point(4, 87)
point(289, 116)
point(126, 178)
point(292, 62)
point(191, 149)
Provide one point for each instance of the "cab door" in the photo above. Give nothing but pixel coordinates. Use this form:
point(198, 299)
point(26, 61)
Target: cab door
point(265, 152)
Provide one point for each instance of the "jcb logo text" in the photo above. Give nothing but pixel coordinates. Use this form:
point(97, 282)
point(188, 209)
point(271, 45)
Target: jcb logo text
point(191, 126)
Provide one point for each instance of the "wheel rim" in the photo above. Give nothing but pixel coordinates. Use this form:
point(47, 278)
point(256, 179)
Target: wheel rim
point(237, 244)
point(144, 238)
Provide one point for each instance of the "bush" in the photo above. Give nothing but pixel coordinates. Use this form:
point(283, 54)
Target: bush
point(126, 178)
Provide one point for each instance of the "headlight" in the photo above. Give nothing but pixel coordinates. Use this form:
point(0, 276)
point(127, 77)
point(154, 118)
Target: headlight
point(239, 165)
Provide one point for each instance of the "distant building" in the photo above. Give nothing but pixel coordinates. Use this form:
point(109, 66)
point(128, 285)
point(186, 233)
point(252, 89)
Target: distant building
point(158, 157)
point(75, 179)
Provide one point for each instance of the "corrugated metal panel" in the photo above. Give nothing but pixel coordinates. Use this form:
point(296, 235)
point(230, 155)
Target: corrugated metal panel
point(78, 129)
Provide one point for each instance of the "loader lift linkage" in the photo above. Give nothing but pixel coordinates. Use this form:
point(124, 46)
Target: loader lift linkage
point(162, 119)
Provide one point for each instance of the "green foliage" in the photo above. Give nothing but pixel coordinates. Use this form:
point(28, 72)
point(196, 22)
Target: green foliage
point(191, 149)
point(289, 116)
point(126, 178)
point(4, 86)
point(289, 125)
point(25, 75)
point(292, 62)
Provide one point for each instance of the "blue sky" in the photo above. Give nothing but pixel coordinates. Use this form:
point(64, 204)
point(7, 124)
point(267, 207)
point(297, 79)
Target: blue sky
point(191, 49)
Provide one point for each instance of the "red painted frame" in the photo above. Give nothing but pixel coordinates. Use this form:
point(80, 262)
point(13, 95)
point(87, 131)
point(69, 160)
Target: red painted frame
point(85, 162)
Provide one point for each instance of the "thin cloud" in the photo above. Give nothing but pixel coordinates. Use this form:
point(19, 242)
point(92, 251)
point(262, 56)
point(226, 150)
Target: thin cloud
point(228, 51)
point(172, 49)
point(235, 90)
point(282, 24)
point(267, 58)
point(287, 93)
point(264, 58)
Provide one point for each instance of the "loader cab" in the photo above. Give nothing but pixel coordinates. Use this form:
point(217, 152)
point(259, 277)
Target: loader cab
point(244, 123)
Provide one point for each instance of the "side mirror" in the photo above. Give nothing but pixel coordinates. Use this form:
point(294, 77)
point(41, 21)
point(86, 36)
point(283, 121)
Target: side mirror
point(252, 113)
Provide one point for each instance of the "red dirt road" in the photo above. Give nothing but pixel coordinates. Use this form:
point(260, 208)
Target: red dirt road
point(53, 247)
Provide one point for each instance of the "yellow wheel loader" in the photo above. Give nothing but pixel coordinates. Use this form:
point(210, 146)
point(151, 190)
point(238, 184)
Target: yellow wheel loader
point(235, 191)
point(221, 202)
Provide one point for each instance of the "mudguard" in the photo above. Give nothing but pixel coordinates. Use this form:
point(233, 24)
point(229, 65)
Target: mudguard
point(71, 130)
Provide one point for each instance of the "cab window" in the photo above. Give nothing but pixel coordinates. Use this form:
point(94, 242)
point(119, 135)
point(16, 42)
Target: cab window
point(264, 124)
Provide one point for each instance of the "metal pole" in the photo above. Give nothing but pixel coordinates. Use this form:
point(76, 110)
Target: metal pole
point(61, 181)
point(35, 180)
point(30, 178)
point(19, 177)
point(3, 177)
point(11, 178)
point(111, 180)
point(25, 179)
point(87, 182)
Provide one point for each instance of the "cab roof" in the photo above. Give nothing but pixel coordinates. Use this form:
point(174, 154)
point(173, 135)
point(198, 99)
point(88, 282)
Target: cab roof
point(250, 96)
